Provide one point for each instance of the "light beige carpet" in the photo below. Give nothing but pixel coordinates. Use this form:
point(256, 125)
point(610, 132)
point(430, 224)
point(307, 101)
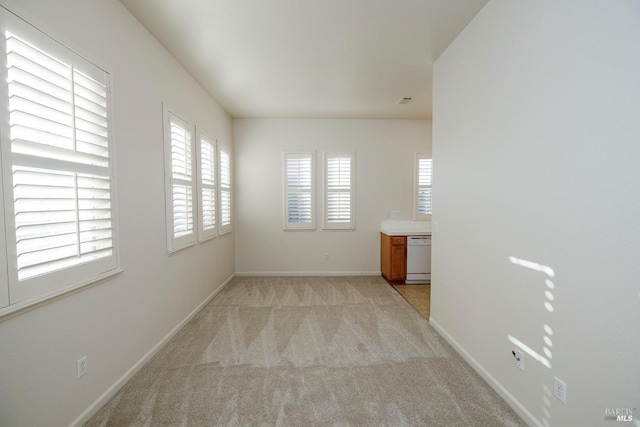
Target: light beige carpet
point(307, 351)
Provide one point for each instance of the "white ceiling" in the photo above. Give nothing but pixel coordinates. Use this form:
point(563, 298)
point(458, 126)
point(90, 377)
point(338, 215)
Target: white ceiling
point(310, 58)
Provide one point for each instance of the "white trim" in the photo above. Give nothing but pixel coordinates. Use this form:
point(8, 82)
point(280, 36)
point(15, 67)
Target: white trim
point(5, 176)
point(115, 387)
point(307, 273)
point(499, 388)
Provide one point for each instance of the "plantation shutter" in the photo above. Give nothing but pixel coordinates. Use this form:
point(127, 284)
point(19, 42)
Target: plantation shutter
point(208, 189)
point(225, 189)
point(424, 175)
point(299, 191)
point(339, 194)
point(180, 212)
point(59, 158)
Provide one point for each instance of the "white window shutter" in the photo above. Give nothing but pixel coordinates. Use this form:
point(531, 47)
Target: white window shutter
point(60, 196)
point(423, 184)
point(207, 187)
point(299, 191)
point(339, 191)
point(224, 154)
point(180, 182)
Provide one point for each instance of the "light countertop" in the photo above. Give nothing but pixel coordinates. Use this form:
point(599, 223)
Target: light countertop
point(405, 228)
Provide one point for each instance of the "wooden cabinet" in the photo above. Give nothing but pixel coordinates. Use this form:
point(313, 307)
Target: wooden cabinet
point(393, 258)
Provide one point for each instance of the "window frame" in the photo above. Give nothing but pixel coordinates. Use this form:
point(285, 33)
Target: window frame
point(417, 187)
point(211, 233)
point(286, 191)
point(174, 243)
point(327, 224)
point(224, 228)
point(15, 293)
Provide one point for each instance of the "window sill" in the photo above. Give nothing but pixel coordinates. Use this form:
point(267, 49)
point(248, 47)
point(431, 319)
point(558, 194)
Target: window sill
point(207, 238)
point(339, 228)
point(33, 303)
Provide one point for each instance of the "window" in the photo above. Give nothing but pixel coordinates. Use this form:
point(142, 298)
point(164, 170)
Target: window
point(225, 189)
point(339, 191)
point(422, 186)
point(57, 166)
point(207, 187)
point(198, 184)
point(179, 182)
point(299, 191)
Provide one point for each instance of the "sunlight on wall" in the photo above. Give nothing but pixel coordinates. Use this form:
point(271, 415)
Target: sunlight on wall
point(529, 351)
point(546, 336)
point(532, 265)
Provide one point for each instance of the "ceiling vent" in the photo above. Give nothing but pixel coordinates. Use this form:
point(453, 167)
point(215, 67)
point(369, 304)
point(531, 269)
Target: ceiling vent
point(405, 100)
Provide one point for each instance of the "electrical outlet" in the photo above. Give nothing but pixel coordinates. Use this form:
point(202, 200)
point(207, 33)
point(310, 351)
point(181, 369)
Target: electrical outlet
point(519, 356)
point(560, 389)
point(81, 366)
point(326, 257)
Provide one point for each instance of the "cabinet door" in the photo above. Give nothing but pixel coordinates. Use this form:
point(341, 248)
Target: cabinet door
point(398, 262)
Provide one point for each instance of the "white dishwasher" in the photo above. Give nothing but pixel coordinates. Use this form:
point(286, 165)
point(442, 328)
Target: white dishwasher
point(418, 259)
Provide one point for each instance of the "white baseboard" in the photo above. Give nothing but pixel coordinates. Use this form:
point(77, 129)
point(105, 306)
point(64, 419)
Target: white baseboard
point(499, 388)
point(306, 273)
point(111, 391)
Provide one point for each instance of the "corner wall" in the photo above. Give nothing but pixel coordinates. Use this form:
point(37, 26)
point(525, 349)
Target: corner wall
point(117, 322)
point(384, 182)
point(536, 149)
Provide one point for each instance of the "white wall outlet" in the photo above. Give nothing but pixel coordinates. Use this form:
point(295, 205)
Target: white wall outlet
point(395, 214)
point(560, 389)
point(519, 357)
point(81, 366)
point(326, 257)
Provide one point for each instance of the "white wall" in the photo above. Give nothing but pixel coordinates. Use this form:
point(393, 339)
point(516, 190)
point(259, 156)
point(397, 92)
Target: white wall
point(384, 182)
point(536, 150)
point(116, 322)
